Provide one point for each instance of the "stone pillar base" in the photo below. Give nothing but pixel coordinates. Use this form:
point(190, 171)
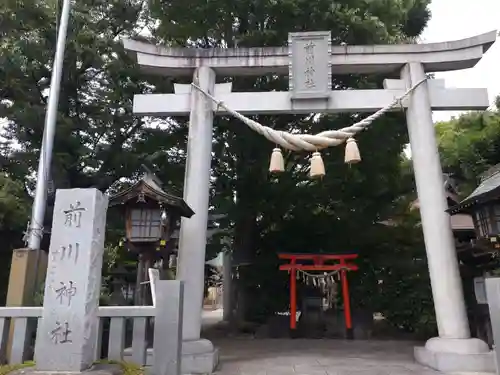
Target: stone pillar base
point(27, 273)
point(198, 357)
point(456, 355)
point(23, 280)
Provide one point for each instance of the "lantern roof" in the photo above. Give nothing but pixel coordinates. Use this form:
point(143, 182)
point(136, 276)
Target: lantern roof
point(450, 191)
point(149, 186)
point(488, 190)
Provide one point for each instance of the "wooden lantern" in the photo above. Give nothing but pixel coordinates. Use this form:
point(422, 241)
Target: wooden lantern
point(150, 212)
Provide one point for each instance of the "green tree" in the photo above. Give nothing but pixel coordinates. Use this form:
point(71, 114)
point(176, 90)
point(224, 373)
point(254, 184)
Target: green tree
point(469, 145)
point(290, 213)
point(14, 207)
point(98, 140)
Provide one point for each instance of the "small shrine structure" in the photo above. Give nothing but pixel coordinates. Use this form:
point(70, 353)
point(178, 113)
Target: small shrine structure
point(299, 267)
point(484, 207)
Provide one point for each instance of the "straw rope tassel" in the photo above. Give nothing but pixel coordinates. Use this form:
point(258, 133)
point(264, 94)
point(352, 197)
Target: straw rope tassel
point(317, 166)
point(277, 163)
point(352, 155)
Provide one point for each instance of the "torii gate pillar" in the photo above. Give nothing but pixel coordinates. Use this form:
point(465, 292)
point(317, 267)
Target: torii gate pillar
point(198, 355)
point(454, 349)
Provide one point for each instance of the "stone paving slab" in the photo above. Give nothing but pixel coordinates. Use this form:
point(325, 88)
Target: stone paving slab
point(317, 357)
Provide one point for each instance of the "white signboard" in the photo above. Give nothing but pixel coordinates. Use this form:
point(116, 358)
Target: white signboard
point(480, 291)
point(154, 276)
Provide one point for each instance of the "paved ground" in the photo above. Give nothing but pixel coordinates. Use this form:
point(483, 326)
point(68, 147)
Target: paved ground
point(317, 357)
point(210, 318)
point(245, 356)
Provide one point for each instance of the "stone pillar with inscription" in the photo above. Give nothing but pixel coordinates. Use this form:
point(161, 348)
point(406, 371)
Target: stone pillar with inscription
point(67, 335)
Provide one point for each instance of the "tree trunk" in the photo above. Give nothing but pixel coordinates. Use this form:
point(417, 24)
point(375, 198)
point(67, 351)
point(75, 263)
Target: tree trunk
point(243, 256)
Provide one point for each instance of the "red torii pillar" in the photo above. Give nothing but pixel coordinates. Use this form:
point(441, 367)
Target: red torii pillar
point(319, 261)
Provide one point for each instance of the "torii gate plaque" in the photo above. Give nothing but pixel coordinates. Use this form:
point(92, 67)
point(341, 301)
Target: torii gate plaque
point(310, 60)
point(310, 71)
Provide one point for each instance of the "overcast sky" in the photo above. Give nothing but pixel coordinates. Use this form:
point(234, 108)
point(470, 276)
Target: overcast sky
point(458, 19)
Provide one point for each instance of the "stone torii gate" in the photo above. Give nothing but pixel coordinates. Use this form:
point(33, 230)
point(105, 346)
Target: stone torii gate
point(310, 91)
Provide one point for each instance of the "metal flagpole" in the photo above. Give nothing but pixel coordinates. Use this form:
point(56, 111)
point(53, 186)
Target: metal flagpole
point(35, 231)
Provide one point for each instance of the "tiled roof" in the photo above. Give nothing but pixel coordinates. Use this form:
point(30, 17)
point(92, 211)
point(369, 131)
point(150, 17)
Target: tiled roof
point(487, 189)
point(150, 184)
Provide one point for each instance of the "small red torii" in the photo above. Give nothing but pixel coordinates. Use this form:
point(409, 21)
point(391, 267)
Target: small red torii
point(319, 264)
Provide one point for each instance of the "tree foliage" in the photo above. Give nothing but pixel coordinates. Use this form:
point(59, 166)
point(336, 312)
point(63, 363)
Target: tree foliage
point(469, 145)
point(98, 139)
point(14, 204)
point(14, 208)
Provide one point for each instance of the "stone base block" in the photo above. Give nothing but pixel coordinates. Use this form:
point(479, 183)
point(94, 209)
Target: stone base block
point(98, 369)
point(456, 356)
point(198, 357)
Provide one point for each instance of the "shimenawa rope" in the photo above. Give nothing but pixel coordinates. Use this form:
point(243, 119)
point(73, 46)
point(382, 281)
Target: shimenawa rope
point(307, 142)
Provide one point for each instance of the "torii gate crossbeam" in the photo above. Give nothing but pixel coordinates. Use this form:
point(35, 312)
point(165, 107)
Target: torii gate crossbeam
point(278, 102)
point(257, 61)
